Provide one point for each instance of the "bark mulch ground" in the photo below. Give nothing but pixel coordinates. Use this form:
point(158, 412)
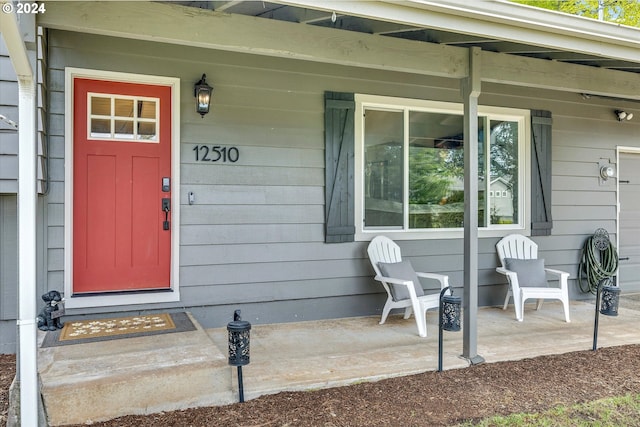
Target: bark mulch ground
point(429, 399)
point(7, 372)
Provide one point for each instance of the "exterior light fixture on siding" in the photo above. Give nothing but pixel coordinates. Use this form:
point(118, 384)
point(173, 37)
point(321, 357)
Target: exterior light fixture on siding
point(606, 172)
point(449, 318)
point(202, 92)
point(623, 115)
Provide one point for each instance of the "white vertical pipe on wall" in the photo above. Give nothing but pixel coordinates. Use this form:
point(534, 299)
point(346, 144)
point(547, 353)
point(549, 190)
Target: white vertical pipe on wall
point(27, 200)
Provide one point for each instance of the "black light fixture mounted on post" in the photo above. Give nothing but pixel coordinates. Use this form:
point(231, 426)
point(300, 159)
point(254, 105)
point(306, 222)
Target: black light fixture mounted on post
point(449, 318)
point(203, 92)
point(239, 339)
point(608, 306)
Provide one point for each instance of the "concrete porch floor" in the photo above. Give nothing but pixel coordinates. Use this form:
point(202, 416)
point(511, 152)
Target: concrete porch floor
point(97, 381)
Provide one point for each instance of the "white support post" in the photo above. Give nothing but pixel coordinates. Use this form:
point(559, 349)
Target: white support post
point(470, 93)
point(27, 199)
point(14, 31)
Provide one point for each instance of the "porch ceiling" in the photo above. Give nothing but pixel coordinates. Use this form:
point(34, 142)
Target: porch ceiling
point(361, 17)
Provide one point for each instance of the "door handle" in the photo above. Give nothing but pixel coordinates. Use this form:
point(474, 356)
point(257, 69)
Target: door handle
point(166, 207)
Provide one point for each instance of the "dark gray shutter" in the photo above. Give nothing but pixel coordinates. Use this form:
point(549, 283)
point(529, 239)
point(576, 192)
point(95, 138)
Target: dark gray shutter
point(541, 222)
point(339, 163)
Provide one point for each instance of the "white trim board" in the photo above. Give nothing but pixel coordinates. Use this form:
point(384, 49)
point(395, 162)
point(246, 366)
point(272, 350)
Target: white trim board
point(147, 297)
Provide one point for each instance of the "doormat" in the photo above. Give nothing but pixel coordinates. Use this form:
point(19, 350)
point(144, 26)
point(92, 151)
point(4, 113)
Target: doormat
point(85, 331)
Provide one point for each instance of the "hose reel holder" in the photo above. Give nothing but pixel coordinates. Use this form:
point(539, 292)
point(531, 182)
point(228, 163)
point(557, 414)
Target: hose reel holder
point(599, 262)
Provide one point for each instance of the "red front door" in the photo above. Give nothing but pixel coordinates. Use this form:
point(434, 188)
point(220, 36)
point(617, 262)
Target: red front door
point(122, 153)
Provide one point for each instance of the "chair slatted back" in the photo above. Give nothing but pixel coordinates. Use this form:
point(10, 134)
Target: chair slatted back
point(516, 246)
point(383, 249)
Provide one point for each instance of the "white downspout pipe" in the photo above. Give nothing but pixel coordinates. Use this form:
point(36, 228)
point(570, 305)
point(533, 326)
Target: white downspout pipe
point(27, 200)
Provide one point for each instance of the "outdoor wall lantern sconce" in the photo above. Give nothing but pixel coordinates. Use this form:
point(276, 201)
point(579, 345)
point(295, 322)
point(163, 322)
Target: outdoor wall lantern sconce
point(239, 337)
point(610, 301)
point(623, 115)
point(606, 172)
point(202, 92)
point(449, 318)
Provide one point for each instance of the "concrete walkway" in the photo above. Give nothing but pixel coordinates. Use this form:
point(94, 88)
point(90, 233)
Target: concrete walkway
point(97, 381)
point(328, 353)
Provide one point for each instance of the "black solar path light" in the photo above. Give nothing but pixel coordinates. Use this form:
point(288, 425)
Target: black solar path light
point(239, 337)
point(449, 318)
point(607, 305)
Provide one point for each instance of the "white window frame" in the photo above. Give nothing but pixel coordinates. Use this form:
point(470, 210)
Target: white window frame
point(112, 118)
point(523, 117)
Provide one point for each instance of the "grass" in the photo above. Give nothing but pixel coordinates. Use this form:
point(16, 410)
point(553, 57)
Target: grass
point(609, 412)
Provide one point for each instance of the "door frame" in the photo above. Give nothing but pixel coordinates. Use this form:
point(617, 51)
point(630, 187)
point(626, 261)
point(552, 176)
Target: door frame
point(629, 150)
point(124, 298)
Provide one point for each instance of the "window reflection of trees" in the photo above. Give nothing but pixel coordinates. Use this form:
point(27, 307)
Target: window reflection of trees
point(436, 171)
point(504, 165)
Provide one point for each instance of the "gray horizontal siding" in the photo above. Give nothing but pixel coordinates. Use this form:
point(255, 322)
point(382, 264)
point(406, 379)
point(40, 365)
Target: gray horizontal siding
point(255, 194)
point(239, 214)
point(9, 108)
point(8, 257)
point(249, 233)
point(8, 135)
point(8, 344)
point(254, 236)
point(247, 175)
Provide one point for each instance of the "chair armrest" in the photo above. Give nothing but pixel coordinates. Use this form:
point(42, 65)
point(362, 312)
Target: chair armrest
point(512, 276)
point(558, 273)
point(506, 272)
point(442, 278)
point(562, 277)
point(406, 283)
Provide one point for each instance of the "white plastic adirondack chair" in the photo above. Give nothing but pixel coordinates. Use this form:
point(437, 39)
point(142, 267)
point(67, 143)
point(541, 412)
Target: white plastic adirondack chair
point(384, 250)
point(521, 247)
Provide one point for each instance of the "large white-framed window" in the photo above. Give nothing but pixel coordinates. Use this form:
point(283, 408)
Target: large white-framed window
point(409, 168)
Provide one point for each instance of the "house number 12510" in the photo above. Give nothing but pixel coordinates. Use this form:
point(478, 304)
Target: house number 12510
point(216, 153)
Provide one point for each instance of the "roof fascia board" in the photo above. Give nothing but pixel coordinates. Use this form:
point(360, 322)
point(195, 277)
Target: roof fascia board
point(497, 20)
point(524, 16)
point(176, 24)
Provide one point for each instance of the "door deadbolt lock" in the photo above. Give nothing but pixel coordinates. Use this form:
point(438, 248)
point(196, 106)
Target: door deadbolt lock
point(166, 184)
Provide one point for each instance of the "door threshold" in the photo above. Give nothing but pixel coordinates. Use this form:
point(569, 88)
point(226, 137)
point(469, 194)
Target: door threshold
point(121, 298)
point(110, 293)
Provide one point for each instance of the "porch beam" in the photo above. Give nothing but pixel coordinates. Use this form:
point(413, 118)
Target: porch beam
point(545, 74)
point(497, 20)
point(176, 24)
point(470, 88)
point(501, 20)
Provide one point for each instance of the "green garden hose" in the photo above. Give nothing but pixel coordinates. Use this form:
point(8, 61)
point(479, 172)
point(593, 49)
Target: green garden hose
point(599, 261)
